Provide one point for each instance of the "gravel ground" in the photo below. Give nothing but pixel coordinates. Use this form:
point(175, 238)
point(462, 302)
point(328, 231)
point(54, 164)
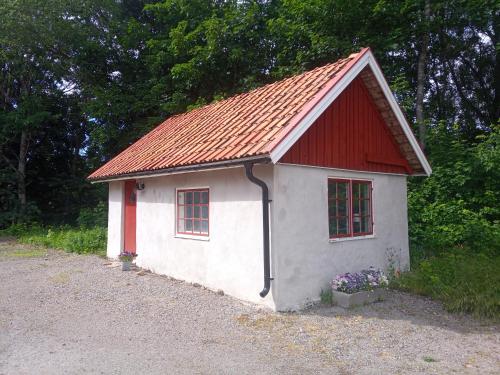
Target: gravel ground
point(70, 314)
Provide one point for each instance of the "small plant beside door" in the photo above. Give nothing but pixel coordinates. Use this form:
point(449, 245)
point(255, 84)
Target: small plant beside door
point(126, 258)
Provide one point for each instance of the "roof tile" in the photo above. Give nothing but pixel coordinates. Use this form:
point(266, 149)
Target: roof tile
point(243, 125)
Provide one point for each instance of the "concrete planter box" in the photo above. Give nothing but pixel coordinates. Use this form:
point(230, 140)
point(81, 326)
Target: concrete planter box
point(359, 298)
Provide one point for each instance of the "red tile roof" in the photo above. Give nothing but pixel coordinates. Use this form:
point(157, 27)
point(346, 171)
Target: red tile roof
point(244, 125)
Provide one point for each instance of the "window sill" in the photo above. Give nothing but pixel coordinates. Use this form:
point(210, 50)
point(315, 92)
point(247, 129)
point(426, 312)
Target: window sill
point(342, 239)
point(191, 237)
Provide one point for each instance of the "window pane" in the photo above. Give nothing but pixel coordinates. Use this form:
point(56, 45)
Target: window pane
point(338, 208)
point(365, 207)
point(180, 197)
point(204, 197)
point(342, 190)
point(365, 190)
point(355, 206)
point(333, 227)
point(356, 226)
point(363, 222)
point(332, 207)
point(355, 191)
point(193, 211)
point(332, 189)
point(180, 226)
point(204, 226)
point(349, 208)
point(343, 225)
point(197, 226)
point(342, 208)
point(365, 225)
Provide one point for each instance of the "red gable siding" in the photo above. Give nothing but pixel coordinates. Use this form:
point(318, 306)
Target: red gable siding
point(350, 134)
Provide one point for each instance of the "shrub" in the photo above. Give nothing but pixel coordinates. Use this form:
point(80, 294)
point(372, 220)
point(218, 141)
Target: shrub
point(326, 296)
point(93, 217)
point(75, 240)
point(457, 206)
point(464, 281)
point(126, 256)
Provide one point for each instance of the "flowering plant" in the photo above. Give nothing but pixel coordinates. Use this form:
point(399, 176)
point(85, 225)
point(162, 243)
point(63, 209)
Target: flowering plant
point(126, 256)
point(354, 282)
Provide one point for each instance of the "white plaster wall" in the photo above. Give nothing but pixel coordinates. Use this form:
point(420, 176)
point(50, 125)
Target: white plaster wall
point(231, 259)
point(304, 260)
point(115, 219)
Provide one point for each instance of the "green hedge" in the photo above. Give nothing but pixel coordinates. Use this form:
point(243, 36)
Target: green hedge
point(74, 240)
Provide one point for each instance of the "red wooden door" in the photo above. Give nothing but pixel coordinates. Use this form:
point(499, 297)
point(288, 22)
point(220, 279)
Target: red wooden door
point(130, 218)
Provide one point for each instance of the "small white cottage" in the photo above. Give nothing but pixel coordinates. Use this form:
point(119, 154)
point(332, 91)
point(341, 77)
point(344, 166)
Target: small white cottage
point(269, 194)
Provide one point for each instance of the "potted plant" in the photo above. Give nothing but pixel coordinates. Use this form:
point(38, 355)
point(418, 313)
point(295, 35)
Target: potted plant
point(351, 289)
point(126, 259)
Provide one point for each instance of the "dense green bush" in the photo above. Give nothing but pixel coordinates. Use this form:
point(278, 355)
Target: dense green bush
point(74, 240)
point(93, 217)
point(462, 280)
point(454, 224)
point(458, 205)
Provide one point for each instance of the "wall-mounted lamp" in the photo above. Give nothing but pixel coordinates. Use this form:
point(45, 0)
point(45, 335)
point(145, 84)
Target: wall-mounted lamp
point(139, 185)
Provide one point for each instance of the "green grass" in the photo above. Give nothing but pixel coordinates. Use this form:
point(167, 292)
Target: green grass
point(465, 282)
point(326, 296)
point(34, 253)
point(429, 359)
point(73, 240)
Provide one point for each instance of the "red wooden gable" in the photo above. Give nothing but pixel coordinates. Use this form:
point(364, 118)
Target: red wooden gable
point(350, 134)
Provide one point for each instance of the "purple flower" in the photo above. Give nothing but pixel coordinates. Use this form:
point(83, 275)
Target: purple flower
point(355, 282)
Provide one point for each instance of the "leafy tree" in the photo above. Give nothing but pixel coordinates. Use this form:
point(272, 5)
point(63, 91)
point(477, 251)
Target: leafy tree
point(42, 48)
point(458, 204)
point(81, 80)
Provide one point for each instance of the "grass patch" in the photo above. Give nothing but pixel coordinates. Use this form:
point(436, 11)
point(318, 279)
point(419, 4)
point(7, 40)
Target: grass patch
point(69, 239)
point(465, 282)
point(31, 253)
point(429, 359)
point(326, 296)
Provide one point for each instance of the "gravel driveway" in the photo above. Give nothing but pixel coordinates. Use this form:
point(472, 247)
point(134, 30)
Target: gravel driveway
point(67, 314)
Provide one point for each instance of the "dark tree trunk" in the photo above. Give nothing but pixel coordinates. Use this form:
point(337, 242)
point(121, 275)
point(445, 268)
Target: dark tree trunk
point(421, 76)
point(21, 171)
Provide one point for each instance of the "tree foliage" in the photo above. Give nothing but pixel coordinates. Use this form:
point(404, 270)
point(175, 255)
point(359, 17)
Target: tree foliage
point(458, 204)
point(81, 80)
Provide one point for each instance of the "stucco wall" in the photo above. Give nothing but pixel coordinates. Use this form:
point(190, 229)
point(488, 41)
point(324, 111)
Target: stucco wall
point(304, 258)
point(231, 259)
point(115, 219)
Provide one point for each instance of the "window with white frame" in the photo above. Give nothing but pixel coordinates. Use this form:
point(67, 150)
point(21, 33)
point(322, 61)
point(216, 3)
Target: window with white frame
point(349, 208)
point(193, 212)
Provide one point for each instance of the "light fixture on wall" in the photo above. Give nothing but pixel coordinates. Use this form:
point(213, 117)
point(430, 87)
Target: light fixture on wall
point(139, 185)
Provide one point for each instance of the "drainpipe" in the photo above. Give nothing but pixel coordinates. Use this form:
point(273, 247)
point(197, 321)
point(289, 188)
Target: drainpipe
point(265, 226)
